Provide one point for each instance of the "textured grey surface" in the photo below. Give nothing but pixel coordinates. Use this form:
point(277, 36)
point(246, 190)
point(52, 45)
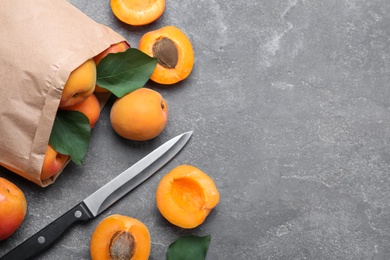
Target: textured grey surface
point(289, 103)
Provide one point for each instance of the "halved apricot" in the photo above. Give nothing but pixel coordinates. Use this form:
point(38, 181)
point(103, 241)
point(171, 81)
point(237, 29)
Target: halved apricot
point(120, 237)
point(186, 195)
point(174, 53)
point(135, 12)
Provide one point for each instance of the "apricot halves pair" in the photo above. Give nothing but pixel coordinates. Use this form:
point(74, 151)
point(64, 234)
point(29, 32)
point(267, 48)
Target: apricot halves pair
point(169, 44)
point(185, 196)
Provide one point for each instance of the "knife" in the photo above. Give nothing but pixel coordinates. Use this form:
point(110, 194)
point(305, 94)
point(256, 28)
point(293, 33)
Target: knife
point(101, 199)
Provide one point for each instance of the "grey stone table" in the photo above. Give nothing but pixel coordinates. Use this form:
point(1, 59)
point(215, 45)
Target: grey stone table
point(289, 103)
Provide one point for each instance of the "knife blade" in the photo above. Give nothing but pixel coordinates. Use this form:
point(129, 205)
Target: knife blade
point(101, 199)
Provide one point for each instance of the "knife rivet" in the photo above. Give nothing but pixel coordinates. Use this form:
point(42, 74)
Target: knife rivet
point(77, 214)
point(41, 240)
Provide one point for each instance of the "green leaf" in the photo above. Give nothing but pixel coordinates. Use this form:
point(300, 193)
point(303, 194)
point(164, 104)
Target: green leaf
point(124, 72)
point(70, 134)
point(189, 248)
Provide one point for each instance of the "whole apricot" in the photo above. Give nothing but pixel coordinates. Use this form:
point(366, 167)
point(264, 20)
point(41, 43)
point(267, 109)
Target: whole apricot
point(136, 13)
point(13, 208)
point(53, 162)
point(186, 195)
point(89, 107)
point(174, 53)
point(80, 84)
point(114, 48)
point(120, 237)
point(140, 115)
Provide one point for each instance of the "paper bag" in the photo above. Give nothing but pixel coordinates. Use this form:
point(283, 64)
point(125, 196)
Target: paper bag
point(42, 42)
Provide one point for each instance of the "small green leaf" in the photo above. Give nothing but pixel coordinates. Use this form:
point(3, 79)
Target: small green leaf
point(124, 72)
point(70, 134)
point(189, 248)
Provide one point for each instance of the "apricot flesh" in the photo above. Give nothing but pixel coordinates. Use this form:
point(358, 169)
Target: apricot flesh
point(137, 13)
point(186, 195)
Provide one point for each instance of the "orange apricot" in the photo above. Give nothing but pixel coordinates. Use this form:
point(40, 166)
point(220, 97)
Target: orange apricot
point(186, 195)
point(173, 51)
point(52, 164)
point(13, 208)
point(89, 107)
point(120, 237)
point(114, 48)
point(136, 13)
point(80, 84)
point(140, 115)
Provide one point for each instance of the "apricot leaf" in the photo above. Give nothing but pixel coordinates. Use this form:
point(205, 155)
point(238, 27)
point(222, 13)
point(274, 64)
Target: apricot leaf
point(124, 72)
point(70, 134)
point(189, 248)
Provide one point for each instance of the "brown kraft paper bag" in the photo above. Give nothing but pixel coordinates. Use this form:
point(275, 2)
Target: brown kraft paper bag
point(42, 42)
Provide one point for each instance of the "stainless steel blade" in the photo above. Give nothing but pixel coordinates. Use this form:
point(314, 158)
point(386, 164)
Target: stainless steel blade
point(135, 175)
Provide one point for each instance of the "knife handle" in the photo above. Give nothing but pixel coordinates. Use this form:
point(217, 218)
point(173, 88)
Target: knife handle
point(48, 235)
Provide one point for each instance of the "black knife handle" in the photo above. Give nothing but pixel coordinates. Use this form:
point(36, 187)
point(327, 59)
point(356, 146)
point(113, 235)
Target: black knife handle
point(48, 235)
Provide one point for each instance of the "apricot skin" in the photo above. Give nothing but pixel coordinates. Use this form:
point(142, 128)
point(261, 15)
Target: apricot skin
point(186, 195)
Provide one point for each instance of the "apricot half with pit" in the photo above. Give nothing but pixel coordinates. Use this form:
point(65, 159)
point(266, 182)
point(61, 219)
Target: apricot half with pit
point(186, 195)
point(120, 237)
point(174, 53)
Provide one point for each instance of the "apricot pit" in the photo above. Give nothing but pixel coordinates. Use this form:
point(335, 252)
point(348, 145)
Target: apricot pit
point(122, 245)
point(166, 52)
